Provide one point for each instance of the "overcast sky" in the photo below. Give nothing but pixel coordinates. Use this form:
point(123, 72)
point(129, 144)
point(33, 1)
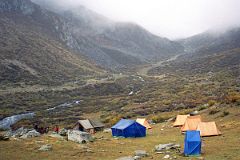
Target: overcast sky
point(168, 18)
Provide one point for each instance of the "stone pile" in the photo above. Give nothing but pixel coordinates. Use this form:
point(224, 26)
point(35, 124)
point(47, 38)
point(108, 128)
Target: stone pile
point(22, 133)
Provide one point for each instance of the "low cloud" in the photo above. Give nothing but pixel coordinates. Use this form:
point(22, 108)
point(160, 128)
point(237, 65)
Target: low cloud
point(168, 18)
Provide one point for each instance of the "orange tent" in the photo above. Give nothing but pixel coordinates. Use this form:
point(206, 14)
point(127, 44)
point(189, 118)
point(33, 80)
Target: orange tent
point(180, 120)
point(191, 123)
point(208, 129)
point(144, 122)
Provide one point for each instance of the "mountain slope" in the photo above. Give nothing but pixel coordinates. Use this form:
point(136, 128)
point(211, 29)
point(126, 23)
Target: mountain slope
point(208, 52)
point(96, 34)
point(29, 50)
point(211, 42)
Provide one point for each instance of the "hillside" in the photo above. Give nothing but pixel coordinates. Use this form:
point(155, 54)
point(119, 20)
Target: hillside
point(213, 41)
point(30, 52)
point(64, 45)
point(207, 52)
point(105, 41)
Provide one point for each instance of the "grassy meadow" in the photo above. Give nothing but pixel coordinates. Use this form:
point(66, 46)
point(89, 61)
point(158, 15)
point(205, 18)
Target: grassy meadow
point(105, 147)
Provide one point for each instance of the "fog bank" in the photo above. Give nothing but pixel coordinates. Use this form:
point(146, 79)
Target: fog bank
point(169, 18)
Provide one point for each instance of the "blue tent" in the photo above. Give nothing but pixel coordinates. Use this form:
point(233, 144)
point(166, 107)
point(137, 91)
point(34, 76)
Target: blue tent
point(128, 128)
point(192, 145)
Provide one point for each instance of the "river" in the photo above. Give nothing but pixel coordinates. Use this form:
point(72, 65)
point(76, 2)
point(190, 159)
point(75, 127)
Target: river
point(8, 121)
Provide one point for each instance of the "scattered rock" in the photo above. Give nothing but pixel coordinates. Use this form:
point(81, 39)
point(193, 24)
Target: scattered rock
point(166, 156)
point(163, 147)
point(4, 138)
point(126, 158)
point(176, 146)
point(47, 147)
point(89, 151)
point(136, 157)
point(130, 93)
point(30, 134)
point(194, 113)
point(63, 132)
point(8, 133)
point(141, 153)
point(18, 133)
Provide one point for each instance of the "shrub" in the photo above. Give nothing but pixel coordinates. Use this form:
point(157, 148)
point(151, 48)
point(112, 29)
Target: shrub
point(111, 120)
point(225, 113)
point(202, 108)
point(212, 112)
point(233, 98)
point(159, 118)
point(167, 102)
point(211, 102)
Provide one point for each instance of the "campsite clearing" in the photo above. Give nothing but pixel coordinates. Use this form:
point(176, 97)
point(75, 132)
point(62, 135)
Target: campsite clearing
point(221, 147)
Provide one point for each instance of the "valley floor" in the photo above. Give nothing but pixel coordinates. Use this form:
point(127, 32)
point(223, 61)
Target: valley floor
point(159, 97)
point(105, 147)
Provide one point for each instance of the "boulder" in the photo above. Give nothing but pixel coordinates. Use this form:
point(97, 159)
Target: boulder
point(141, 153)
point(4, 138)
point(166, 156)
point(45, 148)
point(162, 147)
point(136, 157)
point(18, 133)
point(63, 132)
point(79, 137)
point(194, 113)
point(30, 134)
point(8, 133)
point(21, 131)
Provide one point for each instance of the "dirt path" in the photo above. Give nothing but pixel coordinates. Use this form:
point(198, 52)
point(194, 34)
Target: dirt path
point(144, 71)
